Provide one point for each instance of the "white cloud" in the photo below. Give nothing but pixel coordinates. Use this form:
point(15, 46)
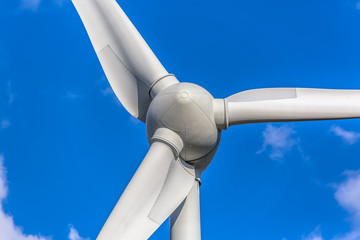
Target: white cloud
point(279, 139)
point(72, 95)
point(348, 195)
point(349, 137)
point(314, 238)
point(4, 124)
point(74, 234)
point(61, 3)
point(32, 5)
point(315, 235)
point(8, 229)
point(106, 89)
point(3, 184)
point(107, 92)
point(353, 235)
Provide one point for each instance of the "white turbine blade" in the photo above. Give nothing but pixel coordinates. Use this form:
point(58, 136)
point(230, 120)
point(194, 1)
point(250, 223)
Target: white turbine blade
point(158, 187)
point(292, 104)
point(185, 220)
point(128, 62)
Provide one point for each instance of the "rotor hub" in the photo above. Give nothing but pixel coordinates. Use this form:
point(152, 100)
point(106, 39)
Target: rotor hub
point(186, 109)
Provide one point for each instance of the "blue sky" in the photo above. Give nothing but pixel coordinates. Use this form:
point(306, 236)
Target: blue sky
point(68, 148)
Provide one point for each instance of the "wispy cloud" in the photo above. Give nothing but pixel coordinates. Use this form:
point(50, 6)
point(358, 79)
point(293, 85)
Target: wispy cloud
point(61, 3)
point(108, 92)
point(349, 137)
point(73, 95)
point(32, 5)
point(353, 235)
point(358, 5)
point(279, 140)
point(348, 196)
point(105, 87)
point(74, 234)
point(3, 183)
point(8, 229)
point(314, 235)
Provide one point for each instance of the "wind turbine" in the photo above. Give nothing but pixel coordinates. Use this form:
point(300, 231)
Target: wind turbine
point(183, 123)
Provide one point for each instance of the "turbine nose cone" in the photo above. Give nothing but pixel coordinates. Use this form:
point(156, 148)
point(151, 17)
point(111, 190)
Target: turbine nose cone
point(186, 109)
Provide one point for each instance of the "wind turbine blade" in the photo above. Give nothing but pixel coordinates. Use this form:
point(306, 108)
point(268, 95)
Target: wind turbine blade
point(291, 104)
point(158, 187)
point(129, 64)
point(185, 220)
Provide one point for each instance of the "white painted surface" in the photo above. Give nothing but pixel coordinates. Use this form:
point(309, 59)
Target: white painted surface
point(184, 122)
point(292, 104)
point(185, 221)
point(159, 185)
point(129, 64)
